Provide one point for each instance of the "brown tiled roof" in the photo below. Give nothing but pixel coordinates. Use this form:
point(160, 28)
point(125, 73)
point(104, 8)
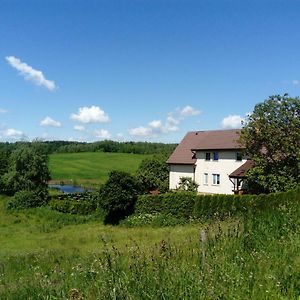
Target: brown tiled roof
point(204, 140)
point(183, 153)
point(241, 171)
point(218, 140)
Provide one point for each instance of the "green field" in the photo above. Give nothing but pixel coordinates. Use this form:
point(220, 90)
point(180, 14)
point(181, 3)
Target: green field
point(49, 255)
point(91, 167)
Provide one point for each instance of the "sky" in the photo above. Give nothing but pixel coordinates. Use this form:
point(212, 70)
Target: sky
point(141, 70)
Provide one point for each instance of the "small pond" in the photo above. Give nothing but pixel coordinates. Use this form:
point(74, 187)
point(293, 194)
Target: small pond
point(67, 189)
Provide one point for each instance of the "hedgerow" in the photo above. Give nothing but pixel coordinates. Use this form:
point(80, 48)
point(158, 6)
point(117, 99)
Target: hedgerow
point(190, 205)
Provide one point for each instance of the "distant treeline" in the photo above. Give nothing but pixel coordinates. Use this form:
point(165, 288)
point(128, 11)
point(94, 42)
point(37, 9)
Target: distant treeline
point(101, 146)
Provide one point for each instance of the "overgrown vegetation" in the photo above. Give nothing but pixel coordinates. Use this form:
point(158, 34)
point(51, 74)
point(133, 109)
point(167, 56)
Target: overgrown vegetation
point(271, 135)
point(26, 177)
point(251, 255)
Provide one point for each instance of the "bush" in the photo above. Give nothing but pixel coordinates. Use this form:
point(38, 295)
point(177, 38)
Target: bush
point(118, 196)
point(73, 207)
point(76, 203)
point(25, 199)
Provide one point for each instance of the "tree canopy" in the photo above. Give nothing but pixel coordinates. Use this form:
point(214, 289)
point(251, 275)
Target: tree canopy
point(118, 196)
point(27, 171)
point(153, 174)
point(271, 136)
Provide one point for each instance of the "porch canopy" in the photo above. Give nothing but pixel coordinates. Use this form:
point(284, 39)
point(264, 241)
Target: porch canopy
point(239, 175)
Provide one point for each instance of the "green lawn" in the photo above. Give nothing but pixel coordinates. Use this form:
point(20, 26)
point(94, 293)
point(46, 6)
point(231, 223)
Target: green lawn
point(91, 167)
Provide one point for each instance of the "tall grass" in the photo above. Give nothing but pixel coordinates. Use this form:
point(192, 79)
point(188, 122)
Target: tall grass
point(253, 256)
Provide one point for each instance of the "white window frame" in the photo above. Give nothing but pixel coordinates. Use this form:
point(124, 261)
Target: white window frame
point(205, 178)
point(216, 179)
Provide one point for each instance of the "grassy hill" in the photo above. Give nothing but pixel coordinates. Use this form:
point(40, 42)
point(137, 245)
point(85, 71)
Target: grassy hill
point(49, 255)
point(91, 167)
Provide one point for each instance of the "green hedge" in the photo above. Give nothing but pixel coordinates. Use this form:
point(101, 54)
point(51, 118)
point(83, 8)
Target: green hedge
point(179, 204)
point(77, 203)
point(189, 205)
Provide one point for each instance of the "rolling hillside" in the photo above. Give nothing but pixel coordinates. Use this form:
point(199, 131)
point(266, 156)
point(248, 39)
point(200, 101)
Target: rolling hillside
point(91, 167)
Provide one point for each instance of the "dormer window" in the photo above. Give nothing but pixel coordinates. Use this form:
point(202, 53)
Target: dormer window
point(216, 155)
point(207, 156)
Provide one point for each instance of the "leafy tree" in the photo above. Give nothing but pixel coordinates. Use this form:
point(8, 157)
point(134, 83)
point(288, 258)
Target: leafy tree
point(271, 135)
point(153, 174)
point(118, 196)
point(187, 184)
point(27, 171)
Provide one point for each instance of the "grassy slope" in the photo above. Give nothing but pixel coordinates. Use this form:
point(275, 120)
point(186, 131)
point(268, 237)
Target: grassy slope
point(91, 167)
point(48, 255)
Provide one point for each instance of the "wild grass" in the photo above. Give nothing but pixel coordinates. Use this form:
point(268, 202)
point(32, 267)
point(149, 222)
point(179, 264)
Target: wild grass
point(246, 257)
point(91, 168)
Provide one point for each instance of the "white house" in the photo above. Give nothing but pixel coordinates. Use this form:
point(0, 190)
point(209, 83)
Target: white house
point(213, 159)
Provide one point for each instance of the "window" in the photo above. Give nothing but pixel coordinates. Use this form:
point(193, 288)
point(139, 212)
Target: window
point(205, 178)
point(216, 179)
point(239, 156)
point(207, 156)
point(216, 155)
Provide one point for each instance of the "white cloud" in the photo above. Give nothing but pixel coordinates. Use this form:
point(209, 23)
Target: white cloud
point(232, 122)
point(3, 111)
point(140, 131)
point(102, 134)
point(120, 136)
point(50, 122)
point(12, 134)
point(93, 114)
point(35, 76)
point(156, 127)
point(79, 128)
point(189, 111)
point(295, 82)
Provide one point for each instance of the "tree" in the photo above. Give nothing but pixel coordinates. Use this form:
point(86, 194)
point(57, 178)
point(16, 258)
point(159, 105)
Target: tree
point(118, 196)
point(153, 174)
point(27, 171)
point(271, 136)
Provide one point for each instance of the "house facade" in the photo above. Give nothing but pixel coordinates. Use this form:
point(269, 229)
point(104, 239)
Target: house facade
point(213, 159)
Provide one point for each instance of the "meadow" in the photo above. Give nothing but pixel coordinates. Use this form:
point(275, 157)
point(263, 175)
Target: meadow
point(91, 168)
point(49, 255)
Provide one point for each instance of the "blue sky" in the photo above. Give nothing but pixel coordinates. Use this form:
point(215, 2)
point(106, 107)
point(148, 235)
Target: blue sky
point(142, 70)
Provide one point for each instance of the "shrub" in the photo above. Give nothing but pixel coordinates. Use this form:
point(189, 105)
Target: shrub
point(187, 184)
point(75, 203)
point(118, 196)
point(25, 199)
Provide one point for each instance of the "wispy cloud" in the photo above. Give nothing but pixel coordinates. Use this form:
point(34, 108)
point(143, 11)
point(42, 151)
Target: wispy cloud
point(157, 127)
point(12, 134)
point(102, 134)
point(79, 128)
point(50, 122)
point(295, 82)
point(93, 114)
point(35, 76)
point(3, 111)
point(188, 111)
point(232, 122)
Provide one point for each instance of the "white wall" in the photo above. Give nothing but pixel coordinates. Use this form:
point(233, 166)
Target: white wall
point(177, 171)
point(224, 166)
